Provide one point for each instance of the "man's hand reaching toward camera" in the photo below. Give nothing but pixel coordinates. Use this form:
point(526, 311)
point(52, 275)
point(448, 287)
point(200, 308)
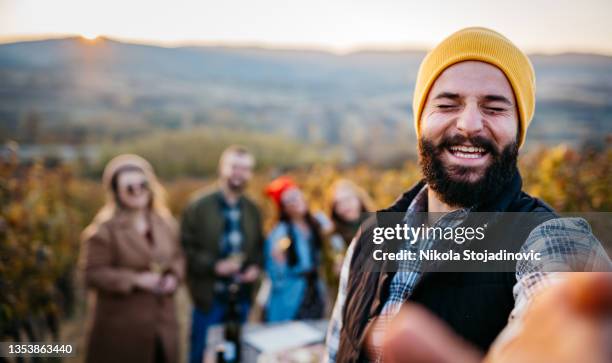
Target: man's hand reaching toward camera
point(567, 323)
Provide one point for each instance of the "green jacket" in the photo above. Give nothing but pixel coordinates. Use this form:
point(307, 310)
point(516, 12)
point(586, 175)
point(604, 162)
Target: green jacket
point(202, 226)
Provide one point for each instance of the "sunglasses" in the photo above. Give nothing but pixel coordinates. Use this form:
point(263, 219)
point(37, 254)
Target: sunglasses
point(136, 188)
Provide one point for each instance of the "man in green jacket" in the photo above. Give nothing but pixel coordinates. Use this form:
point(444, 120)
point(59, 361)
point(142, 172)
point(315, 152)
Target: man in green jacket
point(221, 232)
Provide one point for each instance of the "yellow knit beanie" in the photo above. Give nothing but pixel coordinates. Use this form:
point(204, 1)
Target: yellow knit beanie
point(479, 44)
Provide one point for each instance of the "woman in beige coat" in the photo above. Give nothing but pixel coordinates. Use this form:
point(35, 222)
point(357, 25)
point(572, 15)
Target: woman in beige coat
point(132, 263)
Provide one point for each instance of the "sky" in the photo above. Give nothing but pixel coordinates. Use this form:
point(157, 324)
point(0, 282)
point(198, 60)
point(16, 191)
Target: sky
point(545, 26)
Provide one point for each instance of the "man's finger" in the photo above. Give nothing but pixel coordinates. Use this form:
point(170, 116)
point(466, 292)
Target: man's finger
point(415, 335)
point(591, 291)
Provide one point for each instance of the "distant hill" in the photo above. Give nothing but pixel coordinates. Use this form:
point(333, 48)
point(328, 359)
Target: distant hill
point(74, 90)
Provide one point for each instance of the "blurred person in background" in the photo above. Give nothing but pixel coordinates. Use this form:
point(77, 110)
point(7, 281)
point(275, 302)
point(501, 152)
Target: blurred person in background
point(473, 101)
point(133, 263)
point(348, 206)
point(292, 257)
point(221, 232)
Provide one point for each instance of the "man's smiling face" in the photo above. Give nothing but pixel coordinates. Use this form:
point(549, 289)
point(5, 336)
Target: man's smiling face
point(469, 129)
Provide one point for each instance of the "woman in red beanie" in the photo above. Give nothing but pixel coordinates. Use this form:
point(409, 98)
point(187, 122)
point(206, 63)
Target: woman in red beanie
point(293, 252)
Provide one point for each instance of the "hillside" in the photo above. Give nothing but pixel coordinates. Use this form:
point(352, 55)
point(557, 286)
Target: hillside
point(73, 90)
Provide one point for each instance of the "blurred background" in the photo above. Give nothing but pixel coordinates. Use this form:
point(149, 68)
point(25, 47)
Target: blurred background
point(319, 89)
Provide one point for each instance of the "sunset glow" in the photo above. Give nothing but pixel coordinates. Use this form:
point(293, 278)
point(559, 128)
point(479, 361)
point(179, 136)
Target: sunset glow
point(90, 36)
point(339, 25)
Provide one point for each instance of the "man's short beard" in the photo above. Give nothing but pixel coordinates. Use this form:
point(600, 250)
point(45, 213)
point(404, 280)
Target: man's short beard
point(236, 188)
point(463, 192)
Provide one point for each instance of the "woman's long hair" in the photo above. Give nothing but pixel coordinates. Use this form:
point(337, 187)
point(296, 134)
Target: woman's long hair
point(112, 206)
point(367, 205)
point(316, 240)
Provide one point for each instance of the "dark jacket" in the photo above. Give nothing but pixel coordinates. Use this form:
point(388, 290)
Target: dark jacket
point(202, 227)
point(475, 305)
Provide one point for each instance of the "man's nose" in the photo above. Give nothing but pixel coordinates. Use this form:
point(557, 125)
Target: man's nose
point(470, 120)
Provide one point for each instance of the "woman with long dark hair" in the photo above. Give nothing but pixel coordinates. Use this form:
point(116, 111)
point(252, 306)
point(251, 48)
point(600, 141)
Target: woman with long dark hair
point(132, 264)
point(293, 253)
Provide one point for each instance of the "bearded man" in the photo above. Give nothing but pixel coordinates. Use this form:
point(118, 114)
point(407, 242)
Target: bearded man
point(221, 232)
point(473, 101)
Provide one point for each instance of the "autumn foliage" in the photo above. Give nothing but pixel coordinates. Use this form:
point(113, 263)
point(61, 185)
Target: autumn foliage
point(43, 209)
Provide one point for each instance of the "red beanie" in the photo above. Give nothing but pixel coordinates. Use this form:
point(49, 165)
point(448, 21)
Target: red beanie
point(278, 186)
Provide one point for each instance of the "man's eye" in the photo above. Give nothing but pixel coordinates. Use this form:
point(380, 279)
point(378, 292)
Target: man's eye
point(494, 109)
point(447, 107)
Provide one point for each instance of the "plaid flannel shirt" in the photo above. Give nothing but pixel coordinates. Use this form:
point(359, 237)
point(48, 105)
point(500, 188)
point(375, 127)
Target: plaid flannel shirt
point(560, 240)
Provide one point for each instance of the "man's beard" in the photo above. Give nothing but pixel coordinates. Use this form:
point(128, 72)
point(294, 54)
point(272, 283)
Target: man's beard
point(452, 183)
point(237, 186)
